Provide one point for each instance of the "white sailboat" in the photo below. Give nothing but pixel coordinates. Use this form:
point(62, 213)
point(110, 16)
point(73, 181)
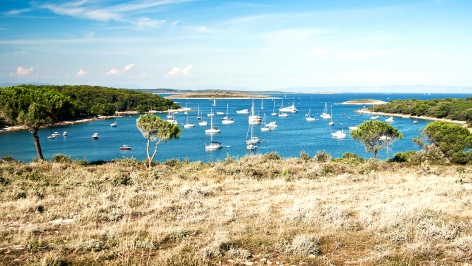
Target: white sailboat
point(253, 118)
point(281, 113)
point(331, 117)
point(198, 113)
point(214, 102)
point(325, 114)
point(202, 122)
point(262, 104)
point(273, 111)
point(308, 117)
point(187, 124)
point(264, 127)
point(213, 145)
point(288, 109)
point(339, 134)
point(252, 139)
point(212, 129)
point(226, 120)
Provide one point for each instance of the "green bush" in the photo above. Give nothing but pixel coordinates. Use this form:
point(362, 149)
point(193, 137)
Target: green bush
point(322, 157)
point(272, 156)
point(459, 158)
point(304, 156)
point(401, 157)
point(61, 158)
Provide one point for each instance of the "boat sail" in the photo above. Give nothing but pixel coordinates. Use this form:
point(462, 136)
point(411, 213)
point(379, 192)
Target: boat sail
point(187, 124)
point(252, 139)
point(289, 109)
point(339, 134)
point(273, 111)
point(262, 104)
point(212, 129)
point(253, 118)
point(325, 114)
point(214, 145)
point(214, 102)
point(264, 127)
point(198, 113)
point(308, 117)
point(226, 120)
point(331, 117)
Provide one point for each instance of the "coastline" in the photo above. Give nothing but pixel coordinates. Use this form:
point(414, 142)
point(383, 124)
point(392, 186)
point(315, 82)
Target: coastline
point(92, 119)
point(364, 111)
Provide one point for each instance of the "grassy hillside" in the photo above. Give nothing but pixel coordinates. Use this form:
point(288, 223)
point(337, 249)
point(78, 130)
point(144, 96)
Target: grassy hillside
point(252, 211)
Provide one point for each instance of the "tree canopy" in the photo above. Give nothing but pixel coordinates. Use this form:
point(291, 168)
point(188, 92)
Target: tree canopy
point(33, 108)
point(450, 108)
point(153, 128)
point(96, 100)
point(375, 135)
point(450, 138)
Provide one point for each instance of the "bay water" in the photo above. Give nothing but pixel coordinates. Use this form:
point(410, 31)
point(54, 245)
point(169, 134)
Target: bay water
point(292, 135)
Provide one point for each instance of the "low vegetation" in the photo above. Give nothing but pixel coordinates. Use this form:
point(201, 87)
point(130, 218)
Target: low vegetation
point(448, 108)
point(216, 94)
point(255, 210)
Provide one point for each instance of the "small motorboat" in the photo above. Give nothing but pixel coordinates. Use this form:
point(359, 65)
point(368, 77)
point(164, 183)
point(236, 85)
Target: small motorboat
point(64, 133)
point(95, 136)
point(125, 148)
point(113, 124)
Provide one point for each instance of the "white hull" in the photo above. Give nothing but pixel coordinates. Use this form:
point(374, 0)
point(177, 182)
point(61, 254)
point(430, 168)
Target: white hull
point(213, 146)
point(339, 134)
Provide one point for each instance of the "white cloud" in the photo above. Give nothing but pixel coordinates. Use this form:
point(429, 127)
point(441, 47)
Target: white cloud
point(175, 23)
point(21, 71)
point(177, 72)
point(143, 23)
point(128, 67)
point(18, 11)
point(115, 72)
point(81, 73)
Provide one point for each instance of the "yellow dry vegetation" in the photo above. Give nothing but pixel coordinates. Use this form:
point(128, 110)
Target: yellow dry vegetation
point(256, 210)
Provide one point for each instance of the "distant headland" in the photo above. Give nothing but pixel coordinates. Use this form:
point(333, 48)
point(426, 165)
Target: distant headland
point(216, 95)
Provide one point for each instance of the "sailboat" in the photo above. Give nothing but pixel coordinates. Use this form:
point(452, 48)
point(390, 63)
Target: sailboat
point(252, 139)
point(226, 120)
point(273, 111)
point(172, 119)
point(290, 108)
point(331, 117)
point(214, 102)
point(187, 124)
point(339, 134)
point(202, 122)
point(264, 127)
point(308, 117)
point(325, 114)
point(281, 113)
point(198, 113)
point(253, 118)
point(262, 104)
point(214, 145)
point(212, 129)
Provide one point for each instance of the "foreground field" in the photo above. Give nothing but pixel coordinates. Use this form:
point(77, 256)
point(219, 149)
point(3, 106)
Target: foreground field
point(258, 210)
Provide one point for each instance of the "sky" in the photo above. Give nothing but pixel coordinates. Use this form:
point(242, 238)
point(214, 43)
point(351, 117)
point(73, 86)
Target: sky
point(314, 45)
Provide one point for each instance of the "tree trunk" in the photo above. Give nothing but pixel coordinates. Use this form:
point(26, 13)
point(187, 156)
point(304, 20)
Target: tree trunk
point(37, 144)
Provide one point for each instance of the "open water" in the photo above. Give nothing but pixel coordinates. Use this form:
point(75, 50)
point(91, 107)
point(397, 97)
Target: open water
point(292, 136)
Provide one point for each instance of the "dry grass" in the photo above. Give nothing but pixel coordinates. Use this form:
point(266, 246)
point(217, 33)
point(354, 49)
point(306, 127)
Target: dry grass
point(253, 211)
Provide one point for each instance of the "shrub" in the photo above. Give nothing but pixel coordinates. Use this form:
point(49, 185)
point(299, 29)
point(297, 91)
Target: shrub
point(8, 158)
point(172, 162)
point(401, 157)
point(272, 156)
point(459, 158)
point(322, 157)
point(304, 245)
point(304, 156)
point(61, 158)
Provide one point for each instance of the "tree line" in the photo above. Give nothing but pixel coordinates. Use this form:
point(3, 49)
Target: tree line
point(89, 100)
point(448, 108)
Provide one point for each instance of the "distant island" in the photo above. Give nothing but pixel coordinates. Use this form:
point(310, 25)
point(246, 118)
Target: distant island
point(216, 94)
point(364, 101)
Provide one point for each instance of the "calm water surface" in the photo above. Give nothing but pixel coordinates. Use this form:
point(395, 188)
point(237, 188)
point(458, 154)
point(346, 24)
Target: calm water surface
point(292, 135)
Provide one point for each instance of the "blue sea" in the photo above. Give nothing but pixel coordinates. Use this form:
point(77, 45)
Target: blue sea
point(292, 135)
